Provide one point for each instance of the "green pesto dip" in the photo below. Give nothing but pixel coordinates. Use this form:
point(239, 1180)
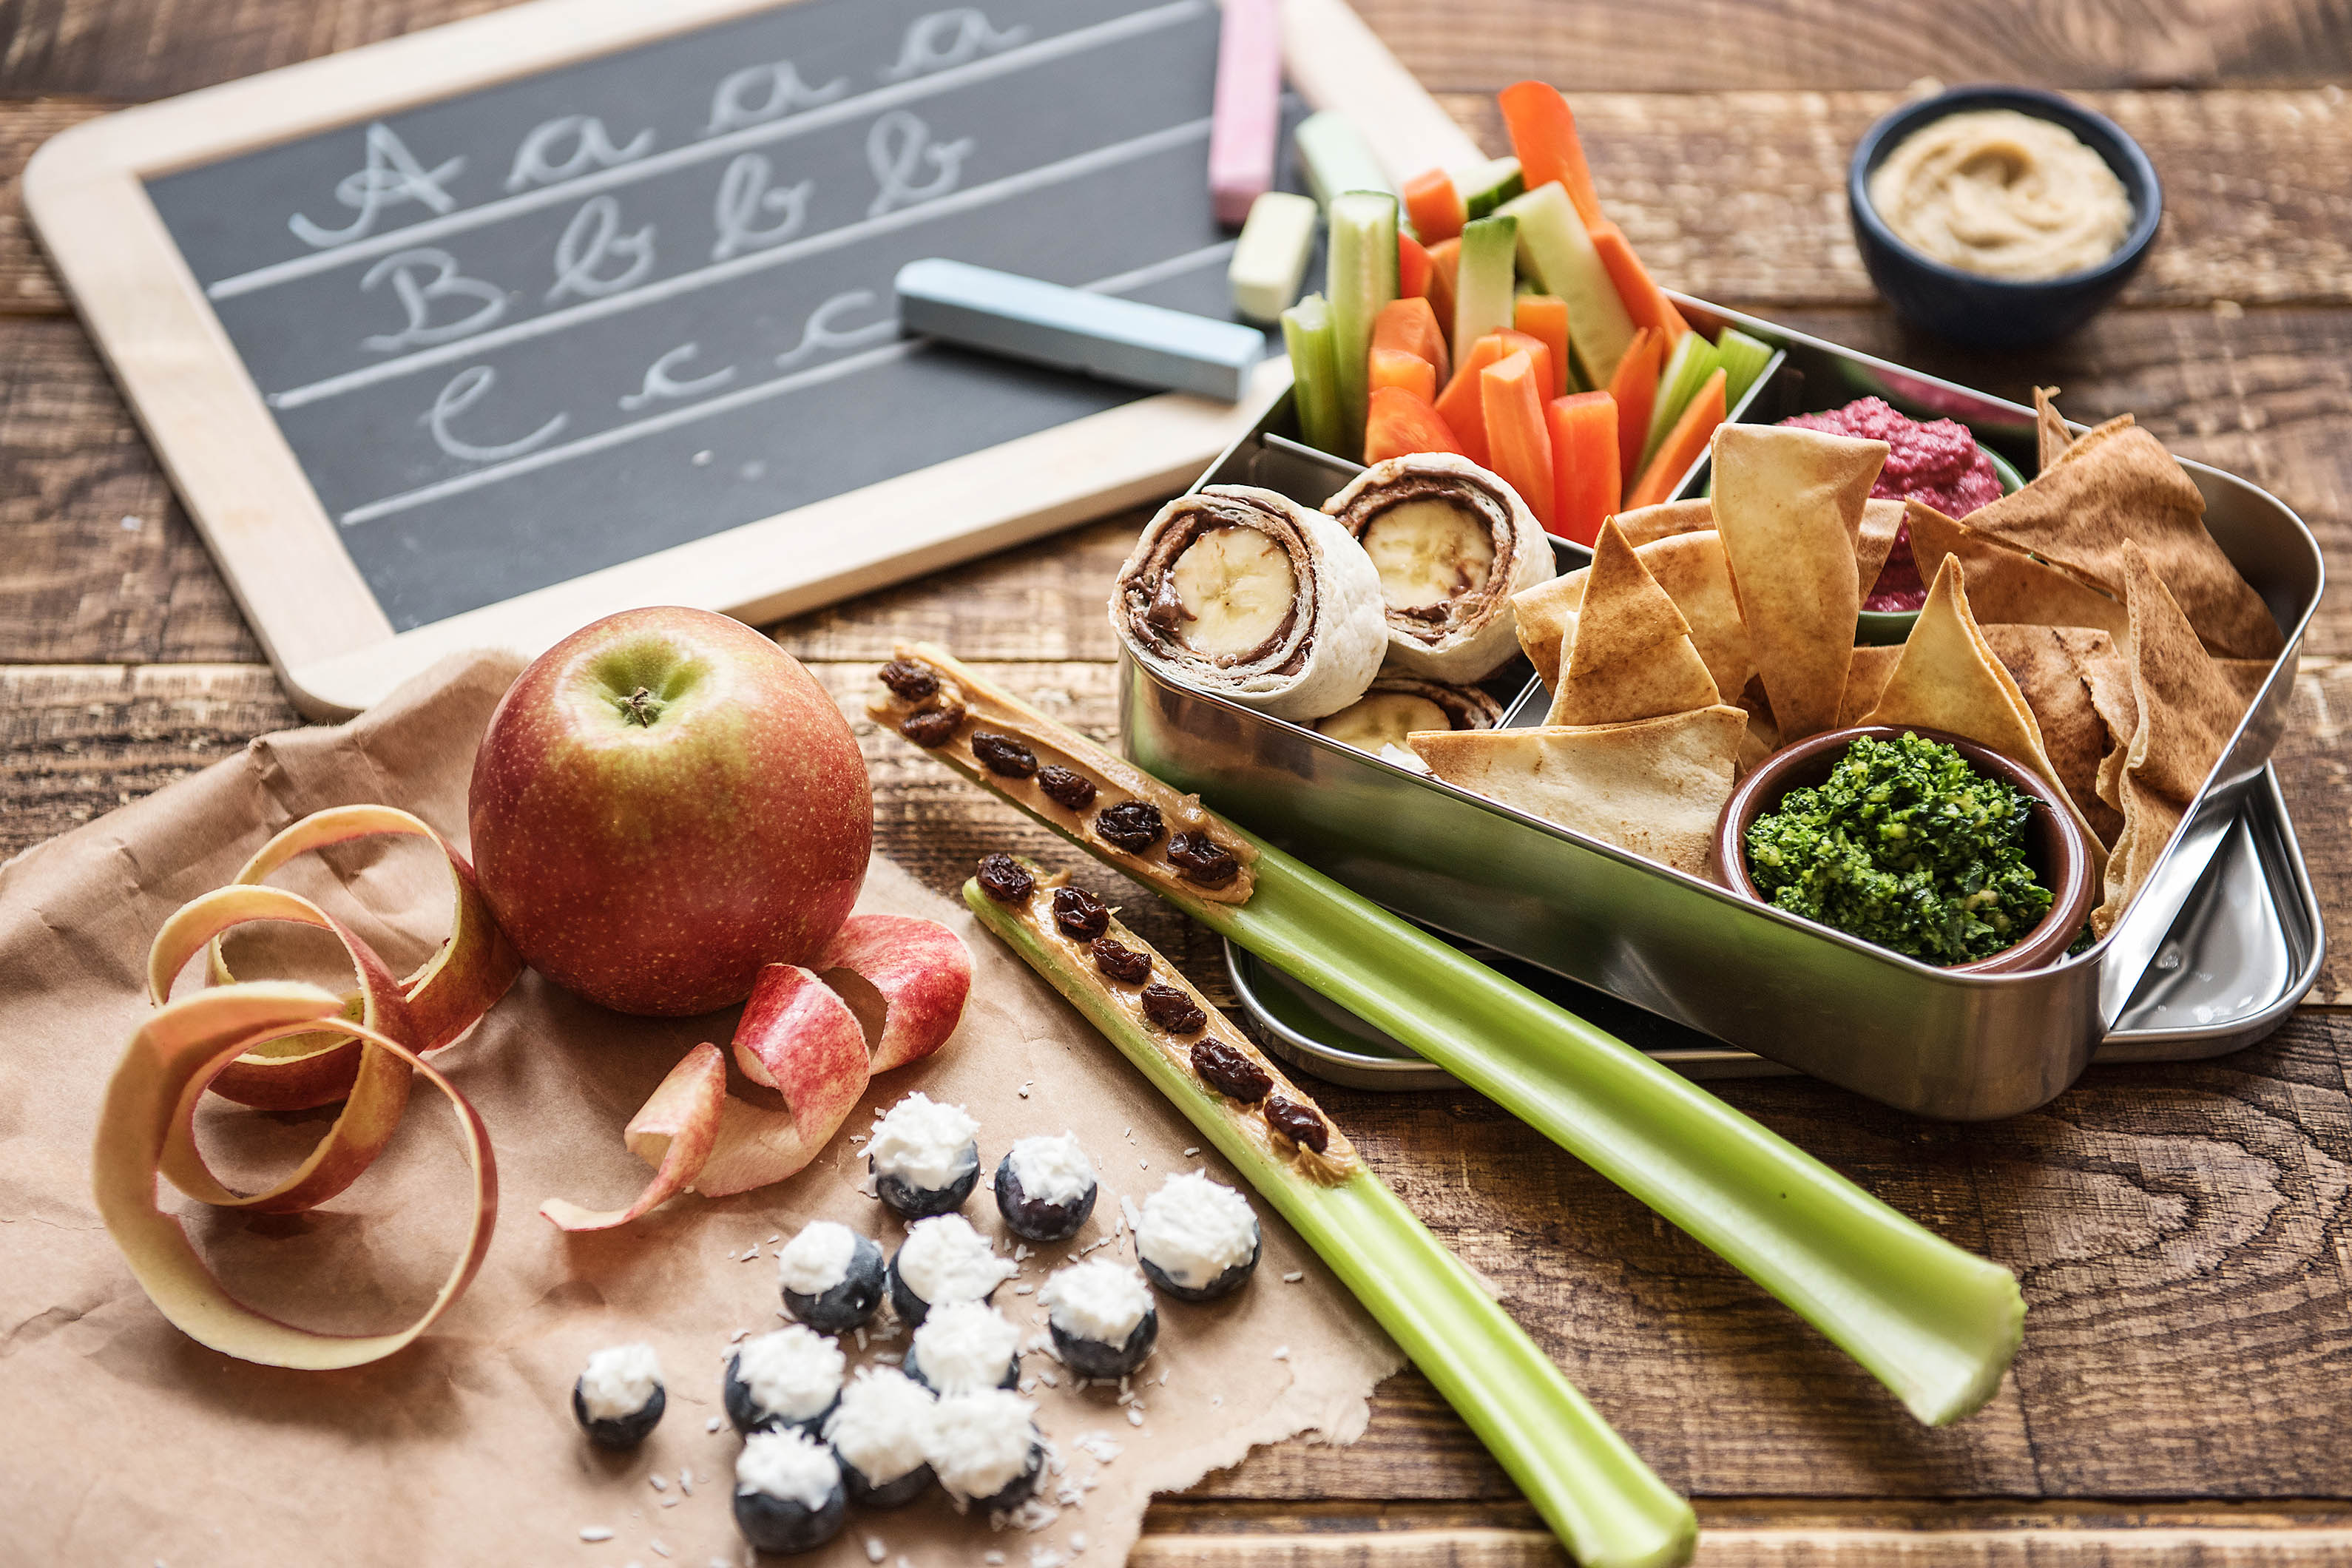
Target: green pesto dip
point(1907, 846)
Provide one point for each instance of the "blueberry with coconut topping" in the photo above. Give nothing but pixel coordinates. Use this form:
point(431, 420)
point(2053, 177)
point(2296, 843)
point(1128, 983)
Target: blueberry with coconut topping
point(1197, 1240)
point(788, 1492)
point(985, 1449)
point(619, 1398)
point(831, 1276)
point(789, 1378)
point(943, 1260)
point(1045, 1188)
point(1101, 1318)
point(925, 1157)
point(965, 1347)
point(880, 1433)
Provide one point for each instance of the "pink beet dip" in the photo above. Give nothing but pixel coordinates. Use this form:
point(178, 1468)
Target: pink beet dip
point(1938, 463)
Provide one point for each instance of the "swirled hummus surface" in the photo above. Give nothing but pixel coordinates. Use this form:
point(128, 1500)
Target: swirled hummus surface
point(2003, 194)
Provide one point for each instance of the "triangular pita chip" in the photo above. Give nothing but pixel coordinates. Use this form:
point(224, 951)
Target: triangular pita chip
point(1865, 677)
point(1655, 788)
point(1691, 568)
point(1646, 524)
point(1789, 502)
point(1631, 656)
point(2048, 665)
point(1948, 678)
point(2051, 436)
point(2007, 586)
point(2187, 707)
point(2115, 486)
point(1874, 541)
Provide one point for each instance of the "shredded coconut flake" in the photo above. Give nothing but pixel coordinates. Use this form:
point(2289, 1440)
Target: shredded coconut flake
point(817, 1259)
point(965, 1346)
point(1282, 1352)
point(884, 1424)
point(619, 1380)
point(980, 1442)
point(1100, 1301)
point(943, 1259)
point(1052, 1170)
point(1193, 1229)
point(595, 1533)
point(875, 1550)
point(794, 1373)
point(924, 1143)
point(786, 1463)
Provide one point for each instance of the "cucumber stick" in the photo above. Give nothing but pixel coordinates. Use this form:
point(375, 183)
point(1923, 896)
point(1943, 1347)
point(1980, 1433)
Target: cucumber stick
point(1483, 296)
point(1743, 359)
point(1361, 281)
point(1314, 374)
point(1336, 158)
point(1694, 360)
point(1489, 185)
point(1554, 246)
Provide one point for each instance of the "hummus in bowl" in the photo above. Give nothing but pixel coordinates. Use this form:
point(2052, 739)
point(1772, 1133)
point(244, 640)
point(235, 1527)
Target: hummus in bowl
point(2002, 194)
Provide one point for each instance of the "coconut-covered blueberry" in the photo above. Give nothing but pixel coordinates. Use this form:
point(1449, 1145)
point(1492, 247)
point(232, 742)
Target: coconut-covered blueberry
point(1045, 1187)
point(943, 1259)
point(1197, 1239)
point(881, 1432)
point(985, 1450)
point(789, 1378)
point(1101, 1318)
point(620, 1398)
point(788, 1492)
point(925, 1157)
point(963, 1347)
point(831, 1276)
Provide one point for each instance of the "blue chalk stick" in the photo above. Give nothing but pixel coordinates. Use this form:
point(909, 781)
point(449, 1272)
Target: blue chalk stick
point(1097, 334)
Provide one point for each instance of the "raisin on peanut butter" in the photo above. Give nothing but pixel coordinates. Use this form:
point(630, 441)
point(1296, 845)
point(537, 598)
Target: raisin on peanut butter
point(1201, 859)
point(1297, 1124)
point(933, 726)
point(1133, 825)
point(1172, 1010)
point(1230, 1072)
point(1120, 962)
point(908, 680)
point(1073, 790)
point(1003, 755)
point(1081, 915)
point(1005, 880)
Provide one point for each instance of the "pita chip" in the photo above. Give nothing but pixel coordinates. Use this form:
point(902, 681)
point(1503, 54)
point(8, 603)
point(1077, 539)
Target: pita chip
point(1631, 656)
point(1789, 504)
point(1865, 677)
point(2007, 586)
point(1655, 786)
point(1948, 678)
point(1874, 542)
point(1691, 568)
point(2117, 486)
point(1646, 524)
point(2048, 664)
point(2051, 436)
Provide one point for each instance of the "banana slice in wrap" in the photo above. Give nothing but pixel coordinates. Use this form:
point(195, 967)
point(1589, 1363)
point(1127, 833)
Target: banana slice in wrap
point(1398, 705)
point(1243, 594)
point(1451, 543)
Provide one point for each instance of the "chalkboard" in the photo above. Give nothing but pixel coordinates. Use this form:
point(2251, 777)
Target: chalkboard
point(458, 338)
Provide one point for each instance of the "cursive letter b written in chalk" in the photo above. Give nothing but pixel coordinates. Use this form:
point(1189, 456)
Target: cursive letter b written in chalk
point(744, 199)
point(899, 149)
point(419, 278)
point(392, 175)
point(591, 240)
point(466, 388)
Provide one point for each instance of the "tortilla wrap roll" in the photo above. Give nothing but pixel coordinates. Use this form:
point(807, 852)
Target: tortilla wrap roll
point(1451, 543)
point(1243, 594)
point(1398, 705)
point(1632, 655)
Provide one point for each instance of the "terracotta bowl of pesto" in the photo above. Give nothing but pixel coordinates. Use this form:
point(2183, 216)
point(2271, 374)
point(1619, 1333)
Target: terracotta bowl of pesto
point(2057, 850)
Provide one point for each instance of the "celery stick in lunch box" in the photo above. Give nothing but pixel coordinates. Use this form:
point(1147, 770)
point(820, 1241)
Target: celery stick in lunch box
point(1270, 256)
point(1336, 158)
point(1743, 359)
point(1314, 378)
point(1556, 247)
point(1483, 298)
point(1071, 328)
point(1687, 368)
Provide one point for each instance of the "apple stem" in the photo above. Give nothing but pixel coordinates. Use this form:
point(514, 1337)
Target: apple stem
point(641, 707)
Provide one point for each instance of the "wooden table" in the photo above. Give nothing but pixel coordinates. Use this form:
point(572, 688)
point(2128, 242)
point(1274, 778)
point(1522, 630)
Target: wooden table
point(2184, 1234)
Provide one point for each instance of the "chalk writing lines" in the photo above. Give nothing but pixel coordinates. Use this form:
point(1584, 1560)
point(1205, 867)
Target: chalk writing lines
point(394, 178)
point(819, 332)
point(972, 198)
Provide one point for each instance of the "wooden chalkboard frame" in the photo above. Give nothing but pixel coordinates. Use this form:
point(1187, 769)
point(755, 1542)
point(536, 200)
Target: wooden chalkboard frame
point(321, 627)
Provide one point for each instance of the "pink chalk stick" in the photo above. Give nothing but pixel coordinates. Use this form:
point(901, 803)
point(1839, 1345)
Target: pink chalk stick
point(1246, 130)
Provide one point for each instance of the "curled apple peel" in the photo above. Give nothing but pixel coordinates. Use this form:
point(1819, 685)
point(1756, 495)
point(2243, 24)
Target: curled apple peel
point(672, 1132)
point(923, 972)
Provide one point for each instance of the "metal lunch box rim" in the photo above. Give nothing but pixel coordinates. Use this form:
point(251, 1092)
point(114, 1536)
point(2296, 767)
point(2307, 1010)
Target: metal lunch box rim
point(1785, 336)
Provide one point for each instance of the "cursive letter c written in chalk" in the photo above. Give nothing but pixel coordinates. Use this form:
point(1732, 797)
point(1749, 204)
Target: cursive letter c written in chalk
point(466, 388)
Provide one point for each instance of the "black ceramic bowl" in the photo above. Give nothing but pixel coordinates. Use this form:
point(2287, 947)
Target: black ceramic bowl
point(1998, 313)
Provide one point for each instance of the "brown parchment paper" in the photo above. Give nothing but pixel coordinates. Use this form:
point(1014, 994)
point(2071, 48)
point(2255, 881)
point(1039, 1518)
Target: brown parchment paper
point(123, 1442)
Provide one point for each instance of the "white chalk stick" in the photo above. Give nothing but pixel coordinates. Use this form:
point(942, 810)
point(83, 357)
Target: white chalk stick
point(1069, 329)
point(1270, 259)
point(1245, 124)
point(1336, 158)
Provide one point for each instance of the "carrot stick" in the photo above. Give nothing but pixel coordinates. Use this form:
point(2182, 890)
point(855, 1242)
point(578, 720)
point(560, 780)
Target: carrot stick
point(1412, 267)
point(1400, 423)
point(1634, 388)
point(1644, 300)
point(1395, 367)
point(1463, 404)
point(1435, 206)
point(1545, 318)
point(1684, 445)
point(1583, 463)
point(1543, 135)
point(1444, 266)
point(1549, 371)
point(1519, 444)
point(1411, 325)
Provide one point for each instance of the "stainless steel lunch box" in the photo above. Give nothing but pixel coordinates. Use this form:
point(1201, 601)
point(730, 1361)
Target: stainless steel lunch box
point(1784, 988)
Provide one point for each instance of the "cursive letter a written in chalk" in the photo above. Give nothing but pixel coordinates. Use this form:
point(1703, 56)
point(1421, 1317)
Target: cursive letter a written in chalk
point(392, 175)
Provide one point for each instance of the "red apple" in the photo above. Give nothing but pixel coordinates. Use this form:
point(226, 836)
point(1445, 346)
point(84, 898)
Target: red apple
point(665, 802)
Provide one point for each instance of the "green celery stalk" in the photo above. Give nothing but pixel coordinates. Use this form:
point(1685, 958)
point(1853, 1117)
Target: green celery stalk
point(1743, 359)
point(1686, 370)
point(1314, 374)
point(1604, 1504)
point(1361, 279)
point(1483, 281)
